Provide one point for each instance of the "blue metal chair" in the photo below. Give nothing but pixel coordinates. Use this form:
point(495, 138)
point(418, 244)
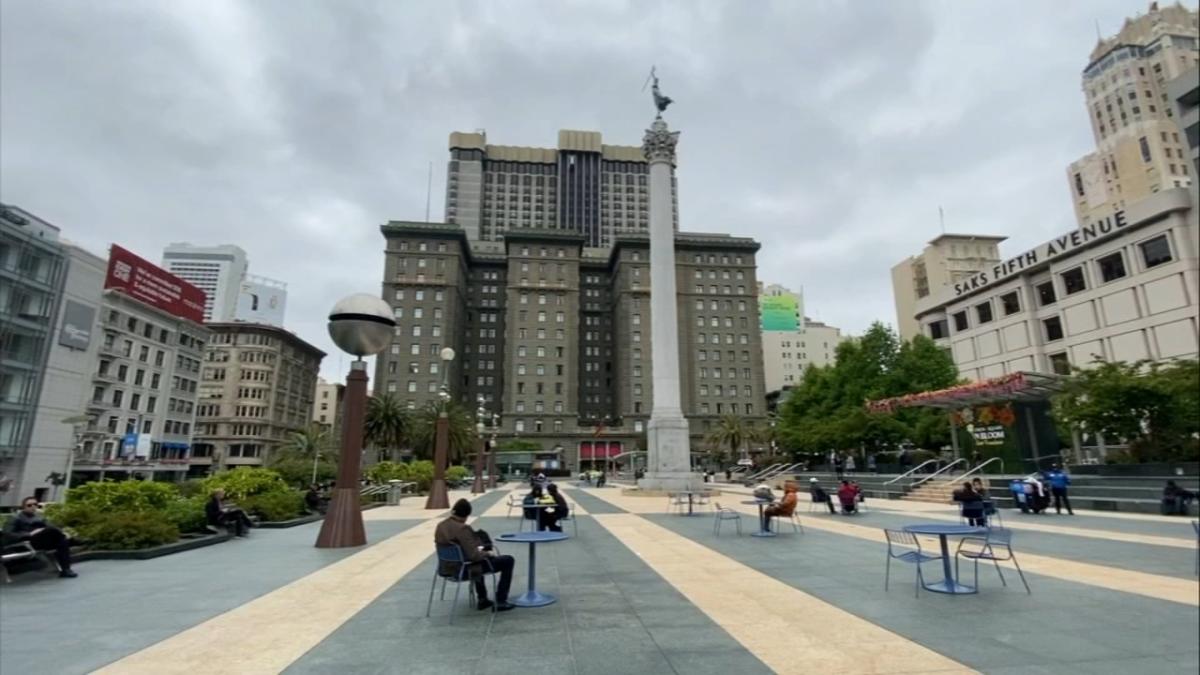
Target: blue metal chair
point(676, 502)
point(571, 517)
point(453, 554)
point(996, 545)
point(900, 538)
point(722, 514)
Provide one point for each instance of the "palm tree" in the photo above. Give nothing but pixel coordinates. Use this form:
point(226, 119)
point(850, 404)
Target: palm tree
point(731, 432)
point(423, 430)
point(387, 423)
point(307, 442)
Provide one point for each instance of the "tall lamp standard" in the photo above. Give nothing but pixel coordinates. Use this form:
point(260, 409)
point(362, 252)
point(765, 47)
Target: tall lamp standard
point(491, 482)
point(438, 497)
point(480, 415)
point(360, 325)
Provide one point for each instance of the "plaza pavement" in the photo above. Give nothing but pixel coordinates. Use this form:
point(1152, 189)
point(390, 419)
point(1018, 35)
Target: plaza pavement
point(640, 591)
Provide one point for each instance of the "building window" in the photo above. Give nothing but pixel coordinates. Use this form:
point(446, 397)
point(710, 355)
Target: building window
point(1156, 251)
point(1011, 303)
point(939, 329)
point(984, 312)
point(960, 321)
point(1060, 364)
point(1073, 281)
point(1053, 327)
point(1112, 267)
point(1046, 294)
point(1145, 146)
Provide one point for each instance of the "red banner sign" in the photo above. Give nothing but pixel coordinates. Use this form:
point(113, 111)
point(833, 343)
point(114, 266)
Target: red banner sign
point(145, 281)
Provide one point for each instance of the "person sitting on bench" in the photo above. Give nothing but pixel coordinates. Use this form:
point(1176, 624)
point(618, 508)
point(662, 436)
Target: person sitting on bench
point(819, 495)
point(219, 514)
point(30, 525)
point(783, 509)
point(848, 496)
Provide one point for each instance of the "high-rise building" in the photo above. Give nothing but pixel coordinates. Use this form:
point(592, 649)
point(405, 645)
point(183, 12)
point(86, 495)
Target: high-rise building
point(216, 270)
point(1184, 92)
point(555, 336)
point(791, 341)
point(232, 293)
point(1139, 149)
point(947, 259)
point(256, 388)
point(32, 270)
point(583, 186)
point(141, 405)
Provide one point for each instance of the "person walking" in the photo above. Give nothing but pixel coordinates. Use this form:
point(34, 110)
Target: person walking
point(851, 465)
point(1059, 481)
point(837, 466)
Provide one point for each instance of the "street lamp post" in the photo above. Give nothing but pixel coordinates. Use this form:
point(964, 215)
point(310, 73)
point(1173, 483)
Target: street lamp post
point(439, 498)
point(492, 453)
point(360, 325)
point(480, 414)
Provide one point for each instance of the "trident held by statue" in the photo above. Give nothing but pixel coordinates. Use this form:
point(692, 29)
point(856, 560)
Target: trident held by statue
point(660, 102)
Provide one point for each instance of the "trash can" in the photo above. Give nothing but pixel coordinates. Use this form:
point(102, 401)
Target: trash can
point(395, 492)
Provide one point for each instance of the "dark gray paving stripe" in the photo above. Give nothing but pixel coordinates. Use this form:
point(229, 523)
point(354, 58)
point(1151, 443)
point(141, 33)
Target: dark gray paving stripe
point(615, 615)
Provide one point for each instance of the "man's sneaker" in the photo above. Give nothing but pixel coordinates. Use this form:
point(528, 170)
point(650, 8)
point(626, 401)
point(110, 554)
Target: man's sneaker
point(68, 574)
point(504, 606)
point(486, 604)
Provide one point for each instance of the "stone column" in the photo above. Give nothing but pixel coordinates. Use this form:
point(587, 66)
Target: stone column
point(668, 446)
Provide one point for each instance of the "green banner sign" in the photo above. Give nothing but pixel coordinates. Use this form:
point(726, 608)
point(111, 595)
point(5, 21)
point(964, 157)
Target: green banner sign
point(779, 312)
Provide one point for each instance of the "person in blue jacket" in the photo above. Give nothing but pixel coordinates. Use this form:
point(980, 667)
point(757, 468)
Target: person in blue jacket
point(1059, 480)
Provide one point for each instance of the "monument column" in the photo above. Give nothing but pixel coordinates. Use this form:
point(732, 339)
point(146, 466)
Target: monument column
point(668, 464)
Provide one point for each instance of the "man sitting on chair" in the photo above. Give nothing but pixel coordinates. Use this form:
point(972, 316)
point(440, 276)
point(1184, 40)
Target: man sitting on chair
point(819, 495)
point(784, 508)
point(477, 550)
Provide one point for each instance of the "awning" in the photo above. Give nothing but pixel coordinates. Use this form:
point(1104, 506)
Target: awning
point(1020, 386)
point(599, 449)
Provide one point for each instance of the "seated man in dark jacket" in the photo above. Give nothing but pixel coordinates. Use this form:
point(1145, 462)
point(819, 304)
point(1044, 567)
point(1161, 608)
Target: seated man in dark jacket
point(479, 556)
point(220, 514)
point(819, 495)
point(30, 525)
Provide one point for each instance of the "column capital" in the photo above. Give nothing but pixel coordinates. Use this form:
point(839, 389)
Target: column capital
point(658, 145)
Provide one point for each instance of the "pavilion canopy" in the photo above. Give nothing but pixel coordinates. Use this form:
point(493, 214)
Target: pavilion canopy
point(1019, 386)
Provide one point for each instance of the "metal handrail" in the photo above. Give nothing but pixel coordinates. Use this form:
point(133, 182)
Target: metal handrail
point(979, 468)
point(912, 470)
point(940, 471)
point(778, 472)
point(756, 476)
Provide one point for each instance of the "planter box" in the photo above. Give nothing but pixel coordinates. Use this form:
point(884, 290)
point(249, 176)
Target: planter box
point(280, 524)
point(154, 552)
point(1131, 470)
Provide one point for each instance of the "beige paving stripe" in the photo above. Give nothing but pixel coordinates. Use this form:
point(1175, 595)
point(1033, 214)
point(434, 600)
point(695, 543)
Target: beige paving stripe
point(1183, 591)
point(268, 634)
point(759, 611)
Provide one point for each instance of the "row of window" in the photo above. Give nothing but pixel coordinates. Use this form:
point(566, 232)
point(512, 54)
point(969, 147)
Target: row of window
point(714, 290)
point(742, 338)
point(725, 274)
point(418, 295)
point(1111, 267)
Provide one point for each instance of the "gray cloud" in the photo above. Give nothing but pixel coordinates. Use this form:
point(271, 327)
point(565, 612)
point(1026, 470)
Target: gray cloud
point(829, 131)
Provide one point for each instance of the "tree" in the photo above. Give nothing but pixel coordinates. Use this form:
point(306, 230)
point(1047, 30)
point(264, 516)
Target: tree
point(387, 423)
point(1154, 407)
point(422, 430)
point(731, 432)
point(825, 411)
point(305, 449)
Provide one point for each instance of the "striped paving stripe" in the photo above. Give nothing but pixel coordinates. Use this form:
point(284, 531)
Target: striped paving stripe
point(758, 611)
point(271, 632)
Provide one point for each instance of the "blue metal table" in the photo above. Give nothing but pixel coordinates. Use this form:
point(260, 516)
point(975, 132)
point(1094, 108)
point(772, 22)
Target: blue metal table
point(762, 531)
point(948, 584)
point(531, 597)
point(690, 495)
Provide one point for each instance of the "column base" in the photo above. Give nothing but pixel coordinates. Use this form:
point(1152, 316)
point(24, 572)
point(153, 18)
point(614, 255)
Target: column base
point(669, 457)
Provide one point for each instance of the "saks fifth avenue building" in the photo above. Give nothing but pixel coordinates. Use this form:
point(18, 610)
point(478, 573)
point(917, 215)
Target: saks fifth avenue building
point(1121, 288)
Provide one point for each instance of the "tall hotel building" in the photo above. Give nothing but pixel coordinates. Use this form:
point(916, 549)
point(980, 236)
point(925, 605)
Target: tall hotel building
point(1139, 147)
point(583, 186)
point(554, 335)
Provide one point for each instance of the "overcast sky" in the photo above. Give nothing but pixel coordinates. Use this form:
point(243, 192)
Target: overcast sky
point(829, 131)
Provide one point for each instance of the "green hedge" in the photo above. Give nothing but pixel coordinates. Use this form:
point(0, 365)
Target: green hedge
point(273, 506)
point(244, 482)
point(122, 531)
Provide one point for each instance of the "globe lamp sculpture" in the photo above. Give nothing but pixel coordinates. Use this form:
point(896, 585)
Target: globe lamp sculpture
point(360, 325)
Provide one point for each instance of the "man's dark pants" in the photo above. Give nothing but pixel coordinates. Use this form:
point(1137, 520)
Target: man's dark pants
point(502, 565)
point(1061, 500)
point(53, 539)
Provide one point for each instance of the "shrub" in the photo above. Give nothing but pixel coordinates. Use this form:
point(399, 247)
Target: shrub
point(133, 496)
point(126, 531)
point(192, 487)
point(71, 514)
point(385, 471)
point(245, 482)
point(187, 514)
point(421, 473)
point(457, 473)
point(298, 471)
point(272, 506)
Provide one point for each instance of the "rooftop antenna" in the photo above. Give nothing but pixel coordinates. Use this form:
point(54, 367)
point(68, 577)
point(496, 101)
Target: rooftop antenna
point(942, 218)
point(428, 191)
point(1099, 38)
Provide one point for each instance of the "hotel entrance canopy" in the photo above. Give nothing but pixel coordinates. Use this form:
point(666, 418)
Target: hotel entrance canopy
point(1019, 386)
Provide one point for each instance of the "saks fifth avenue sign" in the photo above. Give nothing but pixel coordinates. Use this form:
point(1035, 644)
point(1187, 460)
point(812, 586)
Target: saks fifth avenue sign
point(1052, 249)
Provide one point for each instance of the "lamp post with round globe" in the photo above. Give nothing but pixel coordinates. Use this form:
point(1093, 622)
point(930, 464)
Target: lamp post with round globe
point(491, 456)
point(438, 497)
point(360, 325)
